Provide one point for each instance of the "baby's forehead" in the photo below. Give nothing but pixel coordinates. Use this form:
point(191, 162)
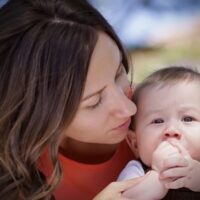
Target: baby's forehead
point(165, 96)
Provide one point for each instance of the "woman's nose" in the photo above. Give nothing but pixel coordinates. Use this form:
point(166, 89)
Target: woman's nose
point(122, 105)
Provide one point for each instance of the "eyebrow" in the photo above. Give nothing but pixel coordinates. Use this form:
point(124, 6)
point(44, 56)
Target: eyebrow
point(153, 112)
point(193, 109)
point(93, 94)
point(99, 91)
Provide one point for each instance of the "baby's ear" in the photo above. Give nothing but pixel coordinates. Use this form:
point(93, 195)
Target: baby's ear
point(132, 142)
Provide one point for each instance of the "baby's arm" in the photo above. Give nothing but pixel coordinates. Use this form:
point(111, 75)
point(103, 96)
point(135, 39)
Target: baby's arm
point(181, 171)
point(148, 188)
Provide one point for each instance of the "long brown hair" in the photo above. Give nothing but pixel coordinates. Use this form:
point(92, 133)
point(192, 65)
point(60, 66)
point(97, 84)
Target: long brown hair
point(45, 50)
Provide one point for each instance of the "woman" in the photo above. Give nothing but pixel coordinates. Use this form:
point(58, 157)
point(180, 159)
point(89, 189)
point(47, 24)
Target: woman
point(65, 102)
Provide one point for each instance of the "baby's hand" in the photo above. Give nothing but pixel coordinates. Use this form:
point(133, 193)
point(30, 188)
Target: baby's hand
point(186, 173)
point(165, 154)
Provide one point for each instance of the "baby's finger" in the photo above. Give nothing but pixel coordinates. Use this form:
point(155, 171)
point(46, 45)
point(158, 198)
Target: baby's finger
point(164, 145)
point(165, 148)
point(173, 153)
point(178, 183)
point(181, 149)
point(176, 172)
point(175, 161)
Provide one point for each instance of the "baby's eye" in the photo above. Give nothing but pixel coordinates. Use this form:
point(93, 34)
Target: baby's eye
point(157, 121)
point(188, 119)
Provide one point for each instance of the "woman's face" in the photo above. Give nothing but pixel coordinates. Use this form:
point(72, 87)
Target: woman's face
point(105, 110)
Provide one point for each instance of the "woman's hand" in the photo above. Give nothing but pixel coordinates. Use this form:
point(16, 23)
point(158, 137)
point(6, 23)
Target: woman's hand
point(115, 189)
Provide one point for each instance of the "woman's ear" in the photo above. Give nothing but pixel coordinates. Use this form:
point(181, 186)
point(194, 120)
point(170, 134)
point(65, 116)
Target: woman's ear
point(132, 142)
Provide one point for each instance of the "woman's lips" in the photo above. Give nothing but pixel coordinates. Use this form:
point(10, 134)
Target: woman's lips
point(124, 126)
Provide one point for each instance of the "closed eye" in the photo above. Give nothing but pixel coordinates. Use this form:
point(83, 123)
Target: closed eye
point(157, 121)
point(96, 104)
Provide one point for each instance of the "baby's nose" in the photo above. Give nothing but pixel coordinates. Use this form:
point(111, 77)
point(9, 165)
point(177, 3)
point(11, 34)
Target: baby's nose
point(172, 134)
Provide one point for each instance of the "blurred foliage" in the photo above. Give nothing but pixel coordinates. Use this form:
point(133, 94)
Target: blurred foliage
point(146, 61)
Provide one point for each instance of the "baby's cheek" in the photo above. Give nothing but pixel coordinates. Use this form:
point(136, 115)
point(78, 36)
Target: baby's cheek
point(146, 157)
point(195, 154)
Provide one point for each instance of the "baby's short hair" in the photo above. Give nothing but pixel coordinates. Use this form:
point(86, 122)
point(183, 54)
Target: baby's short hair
point(167, 76)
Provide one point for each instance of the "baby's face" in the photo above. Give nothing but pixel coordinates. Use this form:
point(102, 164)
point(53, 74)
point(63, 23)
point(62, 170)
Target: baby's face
point(168, 113)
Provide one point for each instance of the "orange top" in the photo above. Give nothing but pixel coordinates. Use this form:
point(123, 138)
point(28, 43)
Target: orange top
point(84, 181)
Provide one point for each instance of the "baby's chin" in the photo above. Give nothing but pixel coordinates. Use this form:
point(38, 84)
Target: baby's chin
point(146, 163)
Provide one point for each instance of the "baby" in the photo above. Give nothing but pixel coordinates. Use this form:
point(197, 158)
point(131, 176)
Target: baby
point(166, 135)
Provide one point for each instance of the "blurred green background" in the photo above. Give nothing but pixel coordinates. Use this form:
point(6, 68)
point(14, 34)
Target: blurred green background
point(173, 53)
